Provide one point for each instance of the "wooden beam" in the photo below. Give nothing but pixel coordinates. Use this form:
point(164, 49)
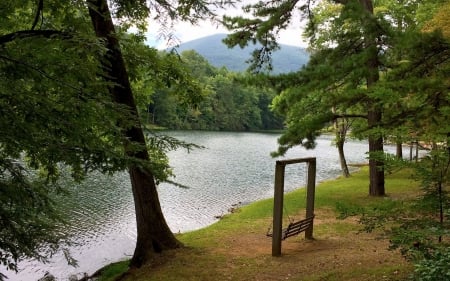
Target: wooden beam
point(278, 209)
point(310, 194)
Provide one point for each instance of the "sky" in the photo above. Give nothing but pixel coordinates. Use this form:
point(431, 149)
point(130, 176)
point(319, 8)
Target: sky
point(185, 32)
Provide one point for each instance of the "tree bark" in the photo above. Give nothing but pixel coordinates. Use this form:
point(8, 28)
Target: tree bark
point(341, 134)
point(376, 167)
point(153, 233)
point(342, 160)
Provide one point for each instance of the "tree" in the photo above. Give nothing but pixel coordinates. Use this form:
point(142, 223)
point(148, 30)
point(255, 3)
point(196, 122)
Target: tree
point(153, 233)
point(230, 101)
point(54, 66)
point(348, 42)
point(418, 108)
point(167, 91)
point(47, 72)
point(422, 108)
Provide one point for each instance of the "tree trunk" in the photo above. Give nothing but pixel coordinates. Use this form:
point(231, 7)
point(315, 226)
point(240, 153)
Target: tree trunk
point(342, 160)
point(399, 150)
point(341, 134)
point(376, 167)
point(153, 233)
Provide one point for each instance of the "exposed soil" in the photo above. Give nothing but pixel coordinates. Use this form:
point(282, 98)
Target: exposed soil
point(354, 256)
point(326, 257)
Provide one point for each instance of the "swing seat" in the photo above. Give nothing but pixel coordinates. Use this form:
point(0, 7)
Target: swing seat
point(295, 228)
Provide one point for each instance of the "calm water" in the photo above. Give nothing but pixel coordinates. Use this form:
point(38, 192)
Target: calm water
point(233, 168)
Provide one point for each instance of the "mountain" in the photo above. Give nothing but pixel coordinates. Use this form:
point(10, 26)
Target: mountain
point(286, 59)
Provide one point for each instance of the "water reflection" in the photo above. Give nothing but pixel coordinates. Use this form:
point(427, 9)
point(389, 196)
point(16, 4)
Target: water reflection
point(233, 167)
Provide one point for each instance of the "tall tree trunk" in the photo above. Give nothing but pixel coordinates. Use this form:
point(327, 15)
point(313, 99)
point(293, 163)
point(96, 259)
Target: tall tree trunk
point(376, 167)
point(153, 233)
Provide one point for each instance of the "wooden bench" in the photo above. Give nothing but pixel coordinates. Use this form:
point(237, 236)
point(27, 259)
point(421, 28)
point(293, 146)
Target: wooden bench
point(295, 228)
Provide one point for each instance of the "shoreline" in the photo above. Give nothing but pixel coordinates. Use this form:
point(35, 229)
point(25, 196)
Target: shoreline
point(235, 247)
point(255, 185)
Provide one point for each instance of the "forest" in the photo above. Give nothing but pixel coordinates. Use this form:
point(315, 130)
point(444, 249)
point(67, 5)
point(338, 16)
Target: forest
point(230, 102)
point(79, 88)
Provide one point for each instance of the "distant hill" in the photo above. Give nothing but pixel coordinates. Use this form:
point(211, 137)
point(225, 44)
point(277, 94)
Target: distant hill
point(286, 59)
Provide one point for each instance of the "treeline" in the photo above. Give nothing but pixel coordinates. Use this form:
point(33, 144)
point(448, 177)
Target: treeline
point(227, 101)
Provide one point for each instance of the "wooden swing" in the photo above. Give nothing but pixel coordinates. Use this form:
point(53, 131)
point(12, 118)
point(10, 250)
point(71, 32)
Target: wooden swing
point(294, 228)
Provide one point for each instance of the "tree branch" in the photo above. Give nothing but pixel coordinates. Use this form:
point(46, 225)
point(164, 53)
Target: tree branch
point(39, 12)
point(337, 116)
point(22, 34)
point(41, 72)
point(343, 2)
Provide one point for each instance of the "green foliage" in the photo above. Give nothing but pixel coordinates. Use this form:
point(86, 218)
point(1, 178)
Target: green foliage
point(113, 271)
point(418, 109)
point(267, 19)
point(379, 66)
point(226, 101)
point(334, 84)
point(54, 111)
point(25, 198)
point(434, 268)
point(57, 113)
point(346, 210)
point(362, 63)
point(167, 91)
point(420, 230)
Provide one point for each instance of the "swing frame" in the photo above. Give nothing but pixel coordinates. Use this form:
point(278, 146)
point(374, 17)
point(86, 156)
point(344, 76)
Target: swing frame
point(277, 234)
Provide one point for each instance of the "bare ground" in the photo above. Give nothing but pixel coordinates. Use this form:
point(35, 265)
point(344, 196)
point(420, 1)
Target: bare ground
point(246, 255)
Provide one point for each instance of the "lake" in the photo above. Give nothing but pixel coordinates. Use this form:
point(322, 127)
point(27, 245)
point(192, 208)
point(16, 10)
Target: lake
point(233, 168)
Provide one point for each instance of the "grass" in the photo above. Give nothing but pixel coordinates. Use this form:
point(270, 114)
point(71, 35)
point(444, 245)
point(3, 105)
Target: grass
point(236, 248)
point(112, 271)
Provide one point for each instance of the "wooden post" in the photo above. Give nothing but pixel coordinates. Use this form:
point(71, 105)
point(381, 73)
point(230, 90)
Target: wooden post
point(417, 151)
point(310, 194)
point(278, 199)
point(411, 151)
point(278, 208)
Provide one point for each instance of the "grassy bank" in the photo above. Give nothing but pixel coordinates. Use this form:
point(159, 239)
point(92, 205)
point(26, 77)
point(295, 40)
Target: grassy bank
point(236, 248)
